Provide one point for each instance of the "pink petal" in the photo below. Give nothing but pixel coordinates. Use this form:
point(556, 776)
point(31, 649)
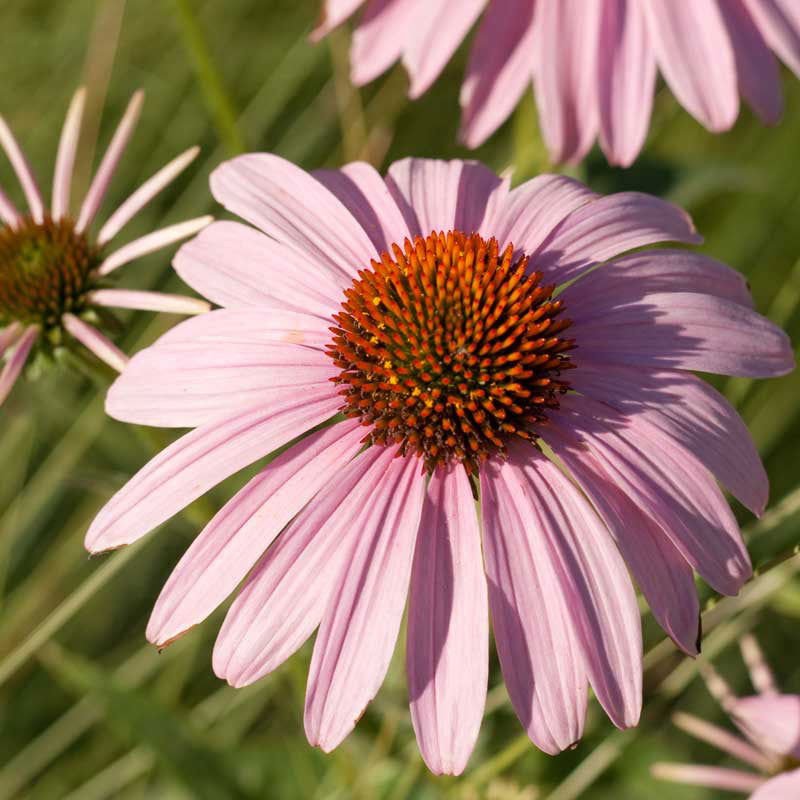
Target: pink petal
point(334, 13)
point(779, 23)
point(626, 75)
point(142, 300)
point(293, 207)
point(782, 787)
point(696, 58)
point(757, 71)
point(9, 335)
point(499, 70)
point(599, 595)
point(236, 266)
point(8, 211)
point(436, 37)
point(684, 330)
point(356, 638)
point(442, 195)
point(275, 612)
point(666, 481)
point(211, 367)
point(693, 414)
point(660, 570)
point(364, 194)
point(95, 341)
point(447, 657)
point(608, 227)
point(196, 462)
point(565, 68)
point(711, 777)
point(23, 171)
point(771, 721)
point(65, 160)
point(542, 663)
point(223, 553)
point(637, 275)
point(15, 361)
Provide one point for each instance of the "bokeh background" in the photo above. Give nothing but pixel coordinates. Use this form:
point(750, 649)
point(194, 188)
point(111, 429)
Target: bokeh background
point(88, 709)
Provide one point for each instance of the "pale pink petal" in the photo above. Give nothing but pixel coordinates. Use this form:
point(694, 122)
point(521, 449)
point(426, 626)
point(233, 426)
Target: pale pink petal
point(771, 721)
point(599, 595)
point(209, 367)
point(665, 480)
point(436, 37)
point(9, 335)
point(358, 631)
point(23, 171)
point(711, 777)
point(565, 56)
point(236, 266)
point(692, 413)
point(275, 612)
point(65, 160)
point(95, 341)
point(637, 275)
point(144, 194)
point(781, 787)
point(760, 673)
point(8, 211)
point(439, 196)
point(757, 71)
point(364, 193)
point(542, 663)
point(15, 361)
point(223, 553)
point(663, 575)
point(447, 654)
point(608, 227)
point(334, 13)
point(151, 242)
point(201, 459)
point(143, 300)
point(499, 70)
point(108, 165)
point(779, 23)
point(696, 58)
point(626, 75)
point(685, 330)
point(296, 209)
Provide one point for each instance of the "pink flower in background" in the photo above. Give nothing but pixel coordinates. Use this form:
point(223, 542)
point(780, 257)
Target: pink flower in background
point(593, 63)
point(770, 722)
point(421, 306)
point(53, 268)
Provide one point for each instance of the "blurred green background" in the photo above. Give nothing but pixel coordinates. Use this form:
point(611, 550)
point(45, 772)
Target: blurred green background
point(88, 710)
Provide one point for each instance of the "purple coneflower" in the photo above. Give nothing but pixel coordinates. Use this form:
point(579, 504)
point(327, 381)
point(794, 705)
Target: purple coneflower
point(593, 63)
point(770, 721)
point(419, 318)
point(53, 269)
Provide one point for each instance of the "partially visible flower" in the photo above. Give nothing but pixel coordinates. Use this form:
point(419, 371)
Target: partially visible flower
point(769, 720)
point(53, 268)
point(593, 63)
point(423, 306)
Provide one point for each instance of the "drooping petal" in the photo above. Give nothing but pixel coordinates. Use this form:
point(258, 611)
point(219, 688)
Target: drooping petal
point(565, 69)
point(770, 721)
point(686, 330)
point(542, 663)
point(356, 638)
point(236, 266)
point(334, 13)
point(626, 75)
point(756, 69)
point(15, 361)
point(365, 195)
point(781, 787)
point(201, 459)
point(213, 366)
point(95, 341)
point(607, 227)
point(223, 553)
point(275, 612)
point(499, 70)
point(734, 780)
point(692, 413)
point(438, 195)
point(696, 58)
point(779, 23)
point(599, 596)
point(290, 205)
point(448, 625)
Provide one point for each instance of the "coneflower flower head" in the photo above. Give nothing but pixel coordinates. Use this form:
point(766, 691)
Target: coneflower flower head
point(53, 268)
